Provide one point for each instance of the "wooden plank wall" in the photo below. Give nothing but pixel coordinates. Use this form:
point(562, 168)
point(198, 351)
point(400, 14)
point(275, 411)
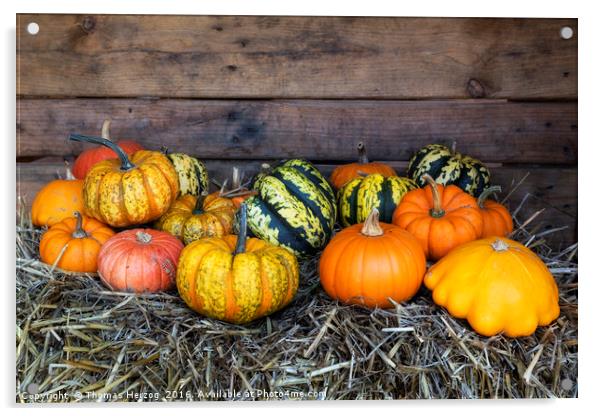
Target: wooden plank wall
point(240, 89)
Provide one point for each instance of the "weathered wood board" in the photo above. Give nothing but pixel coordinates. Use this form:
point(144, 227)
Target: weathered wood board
point(551, 188)
point(327, 130)
point(295, 57)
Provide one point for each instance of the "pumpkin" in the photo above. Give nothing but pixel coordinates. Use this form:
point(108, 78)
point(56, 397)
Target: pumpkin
point(294, 207)
point(191, 218)
point(192, 173)
point(236, 279)
point(370, 263)
point(449, 167)
point(343, 174)
point(89, 157)
point(74, 243)
point(359, 196)
point(57, 200)
point(123, 192)
point(497, 221)
point(139, 261)
point(441, 217)
point(498, 285)
point(237, 192)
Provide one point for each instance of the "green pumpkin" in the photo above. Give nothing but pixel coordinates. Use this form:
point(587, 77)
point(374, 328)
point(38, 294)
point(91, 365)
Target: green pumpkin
point(449, 167)
point(361, 195)
point(192, 173)
point(294, 207)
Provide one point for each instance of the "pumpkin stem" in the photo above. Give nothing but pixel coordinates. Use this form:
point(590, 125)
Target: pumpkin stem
point(453, 147)
point(361, 152)
point(371, 226)
point(125, 161)
point(486, 193)
point(200, 201)
point(164, 150)
point(499, 245)
point(436, 211)
point(236, 178)
point(79, 232)
point(241, 241)
point(104, 133)
point(68, 174)
point(143, 237)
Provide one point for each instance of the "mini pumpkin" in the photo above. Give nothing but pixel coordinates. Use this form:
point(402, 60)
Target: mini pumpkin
point(191, 218)
point(343, 174)
point(123, 192)
point(370, 263)
point(441, 217)
point(360, 195)
point(139, 261)
point(74, 243)
point(57, 200)
point(89, 157)
point(497, 221)
point(236, 279)
point(498, 285)
point(449, 167)
point(192, 173)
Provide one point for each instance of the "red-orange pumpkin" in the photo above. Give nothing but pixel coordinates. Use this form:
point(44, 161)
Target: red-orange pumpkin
point(369, 263)
point(90, 157)
point(343, 174)
point(497, 221)
point(139, 261)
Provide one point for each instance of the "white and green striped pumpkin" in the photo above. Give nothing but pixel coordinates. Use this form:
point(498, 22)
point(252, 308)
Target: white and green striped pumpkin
point(294, 207)
point(361, 195)
point(192, 173)
point(449, 167)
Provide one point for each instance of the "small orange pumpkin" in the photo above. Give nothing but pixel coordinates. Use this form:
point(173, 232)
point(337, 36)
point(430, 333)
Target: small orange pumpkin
point(139, 261)
point(441, 217)
point(74, 243)
point(497, 221)
point(343, 174)
point(57, 200)
point(369, 263)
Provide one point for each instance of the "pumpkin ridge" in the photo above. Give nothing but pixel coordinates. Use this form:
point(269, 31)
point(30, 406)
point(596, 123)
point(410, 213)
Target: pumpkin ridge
point(336, 283)
point(150, 194)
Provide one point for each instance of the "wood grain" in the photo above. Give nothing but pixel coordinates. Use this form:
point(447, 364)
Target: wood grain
point(295, 57)
point(554, 189)
point(492, 130)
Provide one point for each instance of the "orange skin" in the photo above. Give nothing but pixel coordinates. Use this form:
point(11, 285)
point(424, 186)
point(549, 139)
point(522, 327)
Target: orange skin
point(82, 252)
point(461, 221)
point(90, 157)
point(497, 221)
point(368, 270)
point(343, 174)
point(140, 261)
point(56, 201)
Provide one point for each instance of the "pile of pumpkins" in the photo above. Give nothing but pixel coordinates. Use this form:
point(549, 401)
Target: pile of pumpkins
point(171, 231)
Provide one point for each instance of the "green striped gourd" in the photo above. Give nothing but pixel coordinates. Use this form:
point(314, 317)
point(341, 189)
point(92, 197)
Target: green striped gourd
point(294, 207)
point(361, 195)
point(192, 173)
point(449, 167)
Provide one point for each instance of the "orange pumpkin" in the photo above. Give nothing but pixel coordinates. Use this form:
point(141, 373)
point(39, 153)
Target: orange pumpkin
point(74, 243)
point(343, 174)
point(139, 261)
point(90, 157)
point(497, 221)
point(370, 263)
point(57, 200)
point(441, 217)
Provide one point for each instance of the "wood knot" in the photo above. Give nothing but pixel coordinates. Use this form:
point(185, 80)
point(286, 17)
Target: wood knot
point(88, 24)
point(475, 88)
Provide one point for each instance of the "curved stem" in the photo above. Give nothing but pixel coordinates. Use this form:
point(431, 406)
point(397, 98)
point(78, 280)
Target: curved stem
point(371, 226)
point(125, 161)
point(143, 237)
point(436, 211)
point(198, 206)
point(361, 152)
point(241, 241)
point(486, 193)
point(79, 231)
point(106, 126)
